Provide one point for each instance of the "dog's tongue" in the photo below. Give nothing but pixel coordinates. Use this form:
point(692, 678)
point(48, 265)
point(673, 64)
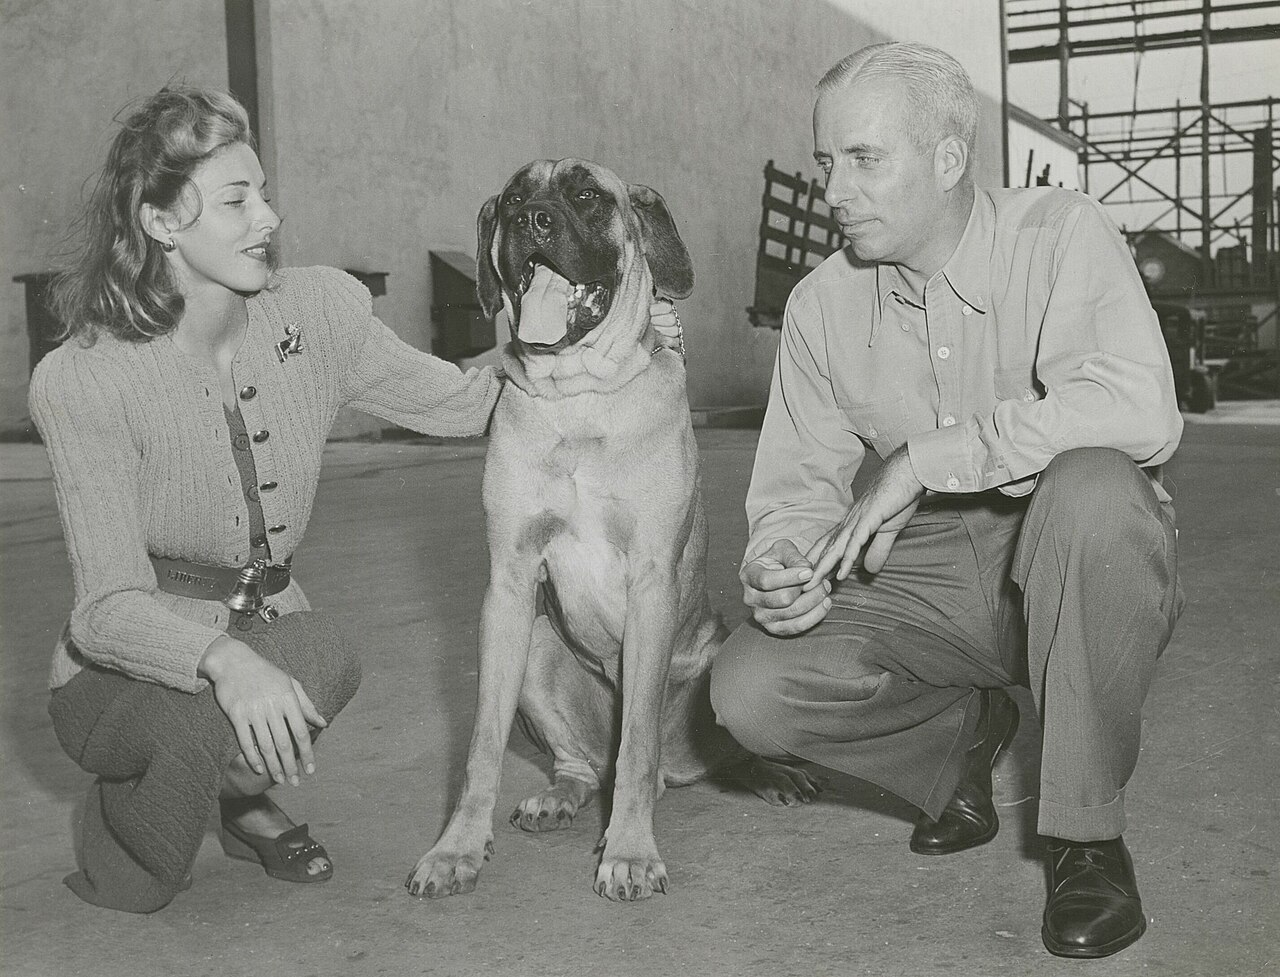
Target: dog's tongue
point(544, 309)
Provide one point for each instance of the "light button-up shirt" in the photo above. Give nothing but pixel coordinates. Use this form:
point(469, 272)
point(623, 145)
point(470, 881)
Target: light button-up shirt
point(1036, 337)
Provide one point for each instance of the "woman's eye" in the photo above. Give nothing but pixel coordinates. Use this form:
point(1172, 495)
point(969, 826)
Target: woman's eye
point(235, 203)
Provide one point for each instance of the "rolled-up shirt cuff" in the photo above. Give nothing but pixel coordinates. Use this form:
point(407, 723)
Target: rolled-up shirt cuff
point(942, 461)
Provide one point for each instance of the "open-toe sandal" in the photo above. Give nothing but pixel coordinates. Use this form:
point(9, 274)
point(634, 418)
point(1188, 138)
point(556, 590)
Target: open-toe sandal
point(285, 857)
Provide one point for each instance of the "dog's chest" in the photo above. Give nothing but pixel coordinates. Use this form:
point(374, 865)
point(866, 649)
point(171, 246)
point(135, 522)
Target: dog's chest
point(579, 489)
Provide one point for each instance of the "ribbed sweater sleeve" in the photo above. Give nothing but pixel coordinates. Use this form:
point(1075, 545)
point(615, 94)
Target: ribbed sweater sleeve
point(79, 408)
point(391, 379)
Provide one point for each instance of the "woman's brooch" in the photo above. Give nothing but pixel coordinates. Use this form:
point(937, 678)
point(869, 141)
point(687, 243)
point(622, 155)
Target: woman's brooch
point(292, 342)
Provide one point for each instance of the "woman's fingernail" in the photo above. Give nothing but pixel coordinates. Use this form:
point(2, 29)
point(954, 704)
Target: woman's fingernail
point(805, 573)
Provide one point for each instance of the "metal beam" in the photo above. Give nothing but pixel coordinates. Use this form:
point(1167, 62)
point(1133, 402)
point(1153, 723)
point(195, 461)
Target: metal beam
point(1150, 42)
point(1133, 14)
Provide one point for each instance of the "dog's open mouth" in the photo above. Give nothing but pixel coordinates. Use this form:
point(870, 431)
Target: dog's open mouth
point(552, 306)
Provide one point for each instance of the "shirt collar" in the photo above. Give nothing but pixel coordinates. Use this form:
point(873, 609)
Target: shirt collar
point(968, 270)
point(889, 283)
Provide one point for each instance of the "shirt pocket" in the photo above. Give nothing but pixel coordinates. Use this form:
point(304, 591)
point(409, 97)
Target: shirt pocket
point(1018, 383)
point(881, 423)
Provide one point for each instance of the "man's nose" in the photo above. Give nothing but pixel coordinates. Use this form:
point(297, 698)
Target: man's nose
point(840, 187)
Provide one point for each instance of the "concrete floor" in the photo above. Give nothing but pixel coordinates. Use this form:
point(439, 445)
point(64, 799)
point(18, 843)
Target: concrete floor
point(396, 547)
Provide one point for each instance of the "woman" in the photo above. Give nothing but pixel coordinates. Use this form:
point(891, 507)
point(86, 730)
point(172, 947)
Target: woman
point(185, 421)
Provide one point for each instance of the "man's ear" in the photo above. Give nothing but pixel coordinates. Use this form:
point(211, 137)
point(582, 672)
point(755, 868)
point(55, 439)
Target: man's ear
point(488, 284)
point(667, 256)
point(158, 224)
point(951, 161)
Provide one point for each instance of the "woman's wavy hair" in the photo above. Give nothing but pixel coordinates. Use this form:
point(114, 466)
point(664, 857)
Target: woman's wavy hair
point(119, 281)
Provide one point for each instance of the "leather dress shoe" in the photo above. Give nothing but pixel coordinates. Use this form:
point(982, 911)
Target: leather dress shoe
point(969, 819)
point(1094, 909)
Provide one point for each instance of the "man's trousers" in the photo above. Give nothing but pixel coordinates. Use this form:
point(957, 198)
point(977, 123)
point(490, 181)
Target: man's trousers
point(1073, 593)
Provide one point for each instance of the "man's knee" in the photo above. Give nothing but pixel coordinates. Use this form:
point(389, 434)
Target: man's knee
point(746, 691)
point(1094, 485)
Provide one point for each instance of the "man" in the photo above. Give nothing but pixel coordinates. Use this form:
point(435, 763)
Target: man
point(998, 352)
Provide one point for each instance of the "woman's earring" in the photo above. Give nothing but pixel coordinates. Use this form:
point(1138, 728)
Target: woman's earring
point(167, 246)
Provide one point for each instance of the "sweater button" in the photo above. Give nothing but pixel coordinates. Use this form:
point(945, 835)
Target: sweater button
point(260, 436)
point(276, 529)
point(248, 393)
point(269, 486)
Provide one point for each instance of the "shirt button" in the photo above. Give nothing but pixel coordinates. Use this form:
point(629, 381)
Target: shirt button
point(873, 432)
point(276, 529)
point(948, 421)
point(944, 352)
point(259, 540)
point(906, 327)
point(953, 483)
point(965, 310)
point(260, 436)
point(240, 442)
point(248, 393)
point(268, 486)
point(1028, 395)
point(252, 493)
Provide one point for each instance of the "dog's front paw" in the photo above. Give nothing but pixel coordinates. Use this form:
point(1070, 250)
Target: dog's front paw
point(777, 783)
point(553, 808)
point(442, 872)
point(625, 878)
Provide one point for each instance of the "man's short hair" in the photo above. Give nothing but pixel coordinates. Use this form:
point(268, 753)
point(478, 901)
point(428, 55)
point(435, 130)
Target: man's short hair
point(938, 89)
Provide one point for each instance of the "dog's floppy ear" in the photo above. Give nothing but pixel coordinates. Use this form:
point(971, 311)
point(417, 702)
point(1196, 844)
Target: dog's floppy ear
point(667, 256)
point(488, 285)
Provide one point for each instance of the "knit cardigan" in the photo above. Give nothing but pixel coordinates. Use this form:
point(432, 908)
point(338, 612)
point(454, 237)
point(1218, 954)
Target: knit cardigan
point(142, 461)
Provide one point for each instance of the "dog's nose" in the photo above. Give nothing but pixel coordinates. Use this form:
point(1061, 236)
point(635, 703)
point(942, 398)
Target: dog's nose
point(539, 222)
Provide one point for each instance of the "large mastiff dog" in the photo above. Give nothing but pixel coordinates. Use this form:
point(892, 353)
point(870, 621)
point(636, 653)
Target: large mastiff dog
point(591, 490)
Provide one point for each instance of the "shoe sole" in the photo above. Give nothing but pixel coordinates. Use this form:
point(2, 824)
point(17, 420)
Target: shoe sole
point(1092, 952)
point(1010, 733)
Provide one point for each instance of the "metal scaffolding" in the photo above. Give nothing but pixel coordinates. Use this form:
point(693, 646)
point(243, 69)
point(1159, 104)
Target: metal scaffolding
point(1162, 162)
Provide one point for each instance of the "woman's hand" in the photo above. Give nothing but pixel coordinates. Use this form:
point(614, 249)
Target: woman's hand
point(666, 323)
point(268, 709)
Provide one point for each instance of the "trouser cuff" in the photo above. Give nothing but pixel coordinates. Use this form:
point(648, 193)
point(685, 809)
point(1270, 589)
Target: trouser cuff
point(1100, 823)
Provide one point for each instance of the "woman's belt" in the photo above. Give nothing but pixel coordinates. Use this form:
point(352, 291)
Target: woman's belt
point(203, 582)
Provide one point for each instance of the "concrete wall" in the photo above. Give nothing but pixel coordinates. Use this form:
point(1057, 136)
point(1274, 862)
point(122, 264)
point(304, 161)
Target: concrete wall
point(67, 67)
point(387, 124)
